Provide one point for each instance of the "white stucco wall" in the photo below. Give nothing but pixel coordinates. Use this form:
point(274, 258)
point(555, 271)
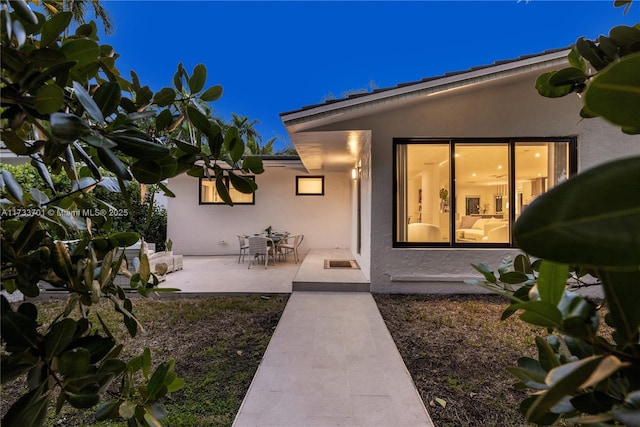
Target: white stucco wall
point(211, 229)
point(511, 108)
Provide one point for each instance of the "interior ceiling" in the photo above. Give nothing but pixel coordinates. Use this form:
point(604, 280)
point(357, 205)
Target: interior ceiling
point(483, 161)
point(335, 151)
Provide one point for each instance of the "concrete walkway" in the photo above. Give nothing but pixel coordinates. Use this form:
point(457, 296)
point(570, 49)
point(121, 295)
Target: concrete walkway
point(332, 362)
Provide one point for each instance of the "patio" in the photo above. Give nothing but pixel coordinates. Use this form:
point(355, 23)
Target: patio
point(223, 275)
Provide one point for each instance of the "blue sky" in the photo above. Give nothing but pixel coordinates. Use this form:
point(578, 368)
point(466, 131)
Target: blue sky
point(274, 57)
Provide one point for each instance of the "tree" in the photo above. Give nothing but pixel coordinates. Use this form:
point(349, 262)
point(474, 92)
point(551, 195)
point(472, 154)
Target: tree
point(67, 108)
point(585, 231)
point(78, 9)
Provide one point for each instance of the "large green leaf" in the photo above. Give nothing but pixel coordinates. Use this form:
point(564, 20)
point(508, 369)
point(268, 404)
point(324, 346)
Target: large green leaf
point(24, 11)
point(592, 218)
point(134, 145)
point(222, 190)
point(154, 171)
point(88, 103)
point(198, 119)
point(539, 313)
point(74, 363)
point(242, 183)
point(107, 97)
point(113, 163)
point(164, 97)
point(622, 290)
point(212, 94)
point(563, 381)
point(54, 26)
point(67, 128)
point(29, 410)
point(253, 165)
point(198, 78)
point(552, 281)
point(12, 186)
point(614, 93)
point(59, 337)
point(546, 88)
point(163, 120)
point(81, 50)
point(49, 99)
point(19, 331)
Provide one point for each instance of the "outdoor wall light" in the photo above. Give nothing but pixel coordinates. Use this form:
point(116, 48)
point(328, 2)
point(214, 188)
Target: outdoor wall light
point(354, 173)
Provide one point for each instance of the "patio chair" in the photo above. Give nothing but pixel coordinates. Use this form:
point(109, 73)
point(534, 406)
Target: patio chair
point(288, 247)
point(259, 247)
point(244, 246)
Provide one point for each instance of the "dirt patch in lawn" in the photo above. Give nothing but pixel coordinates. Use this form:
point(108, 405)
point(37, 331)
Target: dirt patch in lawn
point(456, 349)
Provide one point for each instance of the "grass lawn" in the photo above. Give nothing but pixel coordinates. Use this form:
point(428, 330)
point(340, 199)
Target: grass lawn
point(217, 343)
point(455, 347)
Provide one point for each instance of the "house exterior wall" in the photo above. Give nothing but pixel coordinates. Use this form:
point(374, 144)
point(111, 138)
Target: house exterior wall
point(212, 229)
point(511, 108)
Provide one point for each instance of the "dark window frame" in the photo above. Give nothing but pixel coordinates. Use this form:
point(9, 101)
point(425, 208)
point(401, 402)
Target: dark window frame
point(572, 141)
point(226, 178)
point(298, 177)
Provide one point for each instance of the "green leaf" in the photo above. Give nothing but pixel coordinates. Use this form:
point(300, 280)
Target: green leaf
point(81, 50)
point(74, 363)
point(156, 387)
point(539, 313)
point(59, 337)
point(212, 94)
point(126, 238)
point(163, 120)
point(134, 145)
point(127, 409)
point(29, 410)
point(552, 281)
point(12, 186)
point(24, 11)
point(18, 330)
point(546, 355)
point(486, 271)
point(234, 144)
point(530, 372)
point(563, 381)
point(67, 128)
point(549, 90)
point(146, 362)
point(49, 99)
point(223, 192)
point(514, 277)
point(107, 97)
point(567, 76)
point(623, 299)
point(198, 78)
point(107, 410)
point(88, 103)
point(164, 97)
point(243, 184)
point(198, 119)
point(98, 140)
point(614, 93)
point(113, 163)
point(590, 51)
point(593, 218)
point(54, 26)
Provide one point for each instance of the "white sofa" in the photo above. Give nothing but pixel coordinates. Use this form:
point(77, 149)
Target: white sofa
point(422, 232)
point(476, 228)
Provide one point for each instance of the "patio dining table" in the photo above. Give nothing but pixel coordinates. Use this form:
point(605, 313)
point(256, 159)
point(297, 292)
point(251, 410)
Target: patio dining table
point(273, 239)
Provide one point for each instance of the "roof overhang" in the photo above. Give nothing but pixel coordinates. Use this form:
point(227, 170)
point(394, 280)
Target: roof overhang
point(333, 150)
